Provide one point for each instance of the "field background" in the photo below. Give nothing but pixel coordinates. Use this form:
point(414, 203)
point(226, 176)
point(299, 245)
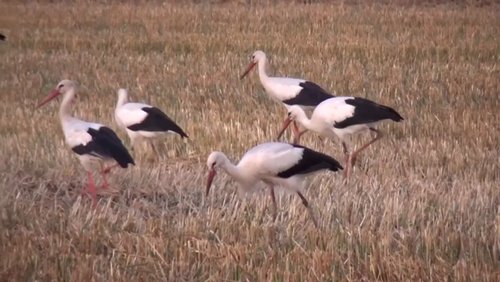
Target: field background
point(423, 204)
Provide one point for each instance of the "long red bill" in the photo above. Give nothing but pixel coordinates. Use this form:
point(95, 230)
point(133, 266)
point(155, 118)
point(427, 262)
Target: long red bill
point(285, 126)
point(249, 68)
point(211, 175)
point(54, 93)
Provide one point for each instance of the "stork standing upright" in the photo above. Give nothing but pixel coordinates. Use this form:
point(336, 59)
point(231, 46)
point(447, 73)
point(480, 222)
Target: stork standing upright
point(276, 164)
point(142, 121)
point(288, 91)
point(92, 142)
point(343, 117)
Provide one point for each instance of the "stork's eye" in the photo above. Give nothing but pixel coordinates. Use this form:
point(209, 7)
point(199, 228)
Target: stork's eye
point(289, 113)
point(61, 86)
point(213, 165)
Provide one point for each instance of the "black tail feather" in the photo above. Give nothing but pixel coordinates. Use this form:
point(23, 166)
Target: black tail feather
point(114, 147)
point(157, 120)
point(311, 161)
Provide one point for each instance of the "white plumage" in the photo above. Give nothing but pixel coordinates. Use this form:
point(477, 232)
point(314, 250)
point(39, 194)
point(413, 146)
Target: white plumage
point(130, 113)
point(92, 142)
point(266, 160)
point(288, 91)
point(76, 131)
point(280, 88)
point(343, 117)
point(276, 164)
point(143, 121)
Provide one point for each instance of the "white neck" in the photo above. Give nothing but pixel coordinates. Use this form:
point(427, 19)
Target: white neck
point(65, 109)
point(122, 99)
point(232, 170)
point(261, 66)
point(306, 122)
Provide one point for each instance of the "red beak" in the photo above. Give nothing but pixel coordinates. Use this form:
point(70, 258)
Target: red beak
point(51, 96)
point(211, 175)
point(285, 125)
point(249, 68)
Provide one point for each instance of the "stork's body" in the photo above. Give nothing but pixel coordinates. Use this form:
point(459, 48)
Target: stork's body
point(142, 121)
point(92, 142)
point(286, 90)
point(343, 117)
point(276, 164)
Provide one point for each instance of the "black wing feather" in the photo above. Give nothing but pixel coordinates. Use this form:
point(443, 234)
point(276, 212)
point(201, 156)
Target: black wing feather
point(366, 111)
point(310, 95)
point(311, 161)
point(105, 144)
point(156, 120)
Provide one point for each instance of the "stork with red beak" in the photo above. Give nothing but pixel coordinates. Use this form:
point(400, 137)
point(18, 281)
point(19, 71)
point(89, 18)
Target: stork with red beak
point(92, 142)
point(344, 117)
point(286, 90)
point(275, 164)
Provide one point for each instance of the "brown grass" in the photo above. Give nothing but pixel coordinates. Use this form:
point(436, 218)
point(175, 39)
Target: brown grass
point(424, 203)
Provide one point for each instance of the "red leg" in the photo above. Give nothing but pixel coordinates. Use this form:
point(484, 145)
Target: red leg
point(354, 155)
point(108, 169)
point(104, 181)
point(309, 209)
point(104, 171)
point(275, 206)
point(346, 160)
point(91, 188)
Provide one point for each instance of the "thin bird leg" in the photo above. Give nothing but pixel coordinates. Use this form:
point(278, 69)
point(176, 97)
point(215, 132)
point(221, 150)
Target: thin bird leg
point(108, 169)
point(346, 160)
point(275, 206)
point(104, 171)
point(91, 188)
point(104, 181)
point(306, 204)
point(354, 155)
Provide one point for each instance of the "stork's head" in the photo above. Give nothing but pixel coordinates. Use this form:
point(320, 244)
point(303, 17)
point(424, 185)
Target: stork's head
point(62, 87)
point(257, 56)
point(295, 112)
point(214, 161)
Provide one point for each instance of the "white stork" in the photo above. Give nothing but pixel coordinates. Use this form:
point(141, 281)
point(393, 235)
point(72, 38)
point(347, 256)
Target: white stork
point(92, 142)
point(289, 91)
point(276, 164)
point(142, 121)
point(343, 117)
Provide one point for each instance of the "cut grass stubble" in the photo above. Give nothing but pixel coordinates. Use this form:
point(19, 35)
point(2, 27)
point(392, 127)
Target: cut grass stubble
point(423, 203)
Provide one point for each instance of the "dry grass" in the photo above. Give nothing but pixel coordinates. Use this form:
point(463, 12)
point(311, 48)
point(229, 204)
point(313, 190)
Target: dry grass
point(423, 204)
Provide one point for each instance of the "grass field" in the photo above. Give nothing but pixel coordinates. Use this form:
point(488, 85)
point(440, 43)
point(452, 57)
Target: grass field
point(423, 203)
